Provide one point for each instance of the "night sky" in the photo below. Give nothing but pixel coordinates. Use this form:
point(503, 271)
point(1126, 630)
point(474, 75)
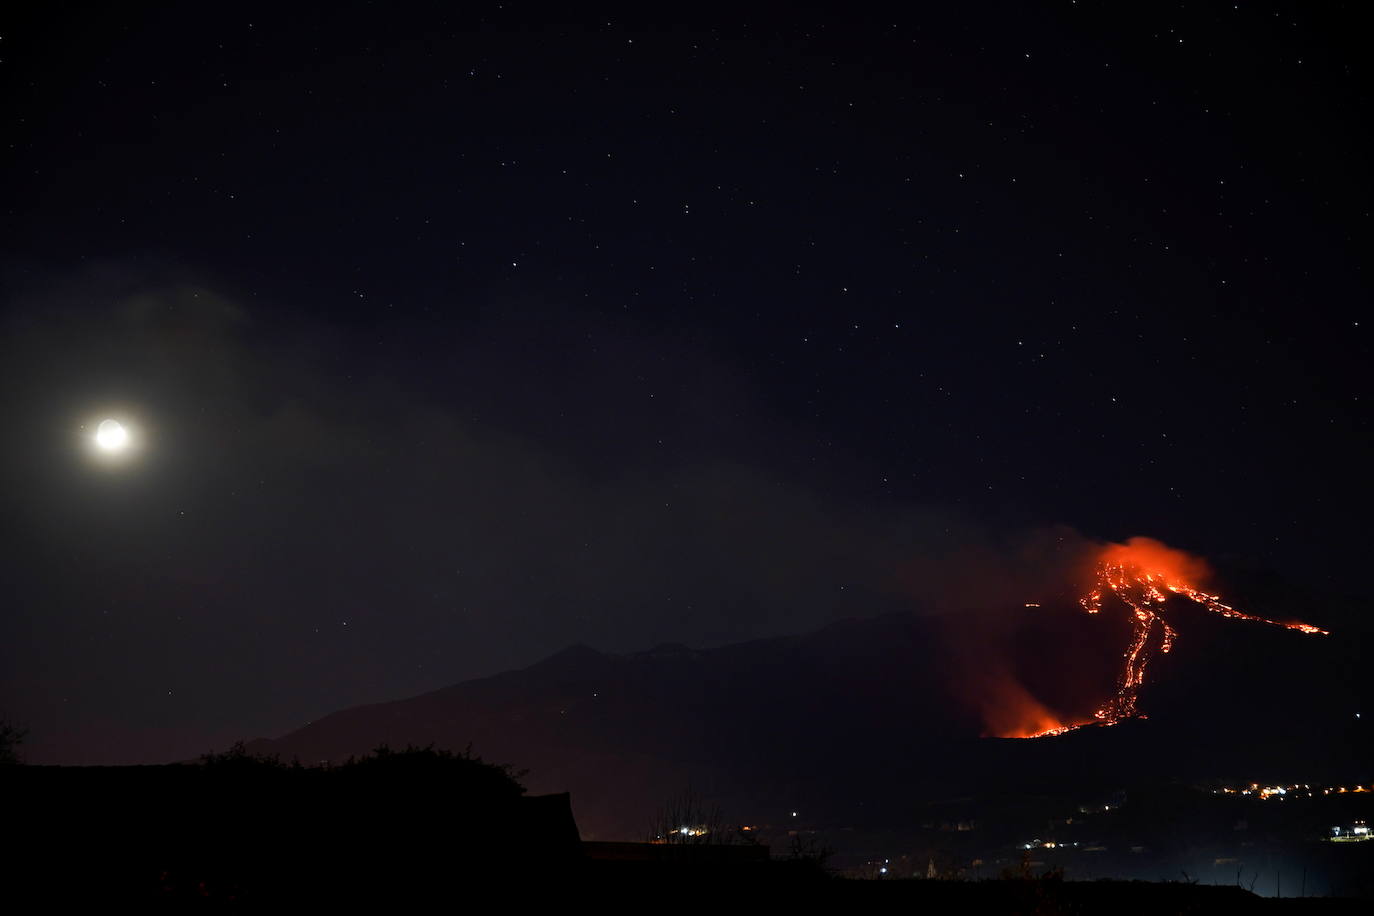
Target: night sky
point(453, 335)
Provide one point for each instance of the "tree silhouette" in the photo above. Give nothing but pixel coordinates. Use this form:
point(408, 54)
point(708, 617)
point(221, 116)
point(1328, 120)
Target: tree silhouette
point(238, 757)
point(466, 770)
point(11, 736)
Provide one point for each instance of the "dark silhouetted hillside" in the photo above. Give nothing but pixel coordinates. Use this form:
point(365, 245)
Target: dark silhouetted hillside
point(862, 720)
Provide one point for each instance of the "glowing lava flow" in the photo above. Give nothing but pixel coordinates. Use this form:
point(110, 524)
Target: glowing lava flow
point(1126, 572)
point(1142, 574)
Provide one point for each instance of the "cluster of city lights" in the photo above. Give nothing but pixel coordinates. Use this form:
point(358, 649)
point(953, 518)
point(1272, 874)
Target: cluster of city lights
point(1047, 844)
point(1357, 832)
point(1296, 790)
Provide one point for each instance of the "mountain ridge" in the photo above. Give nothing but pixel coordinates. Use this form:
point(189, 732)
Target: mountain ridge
point(862, 718)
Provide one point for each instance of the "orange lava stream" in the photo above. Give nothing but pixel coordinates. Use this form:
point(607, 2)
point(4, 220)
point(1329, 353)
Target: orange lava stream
point(1046, 733)
point(1143, 591)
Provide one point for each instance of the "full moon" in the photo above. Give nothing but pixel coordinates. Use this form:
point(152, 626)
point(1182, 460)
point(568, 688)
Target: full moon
point(111, 436)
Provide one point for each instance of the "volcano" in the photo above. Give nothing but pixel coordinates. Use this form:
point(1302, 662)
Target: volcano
point(860, 721)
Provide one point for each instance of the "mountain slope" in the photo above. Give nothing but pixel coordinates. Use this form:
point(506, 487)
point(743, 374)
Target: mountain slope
point(865, 719)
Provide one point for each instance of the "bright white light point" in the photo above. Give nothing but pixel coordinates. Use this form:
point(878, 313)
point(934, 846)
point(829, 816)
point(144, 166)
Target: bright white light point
point(111, 436)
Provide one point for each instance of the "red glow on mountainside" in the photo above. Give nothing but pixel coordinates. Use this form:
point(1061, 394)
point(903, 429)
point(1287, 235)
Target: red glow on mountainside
point(1138, 577)
point(1141, 574)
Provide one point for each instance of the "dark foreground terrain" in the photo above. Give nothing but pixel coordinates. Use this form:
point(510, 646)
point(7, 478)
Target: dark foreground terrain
point(433, 829)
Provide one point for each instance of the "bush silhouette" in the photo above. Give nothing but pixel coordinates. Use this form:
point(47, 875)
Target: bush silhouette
point(11, 736)
point(237, 757)
point(466, 770)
